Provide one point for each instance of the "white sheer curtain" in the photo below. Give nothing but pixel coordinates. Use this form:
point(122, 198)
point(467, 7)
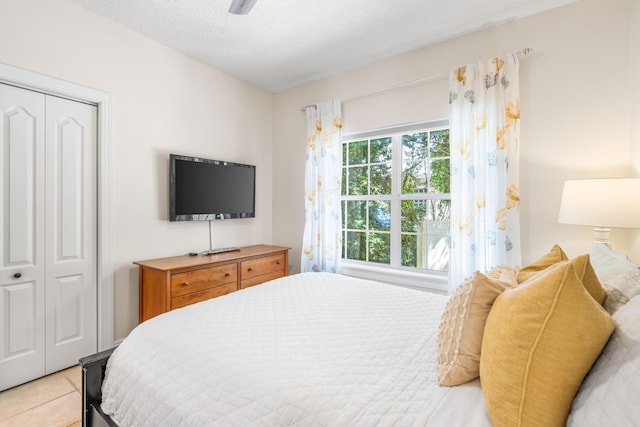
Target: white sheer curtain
point(484, 132)
point(322, 241)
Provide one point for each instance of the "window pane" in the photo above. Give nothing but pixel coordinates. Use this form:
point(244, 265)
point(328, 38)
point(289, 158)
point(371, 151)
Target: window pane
point(428, 223)
point(381, 179)
point(438, 255)
point(425, 251)
point(439, 171)
point(413, 215)
point(381, 150)
point(379, 247)
point(344, 154)
point(409, 250)
point(358, 153)
point(357, 245)
point(414, 177)
point(358, 181)
point(356, 215)
point(439, 143)
point(380, 216)
point(344, 181)
point(439, 216)
point(414, 146)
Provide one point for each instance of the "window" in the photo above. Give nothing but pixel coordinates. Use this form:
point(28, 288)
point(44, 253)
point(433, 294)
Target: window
point(395, 198)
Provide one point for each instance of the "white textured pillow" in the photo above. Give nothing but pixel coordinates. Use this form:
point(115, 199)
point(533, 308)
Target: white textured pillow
point(607, 262)
point(614, 299)
point(627, 282)
point(619, 276)
point(610, 393)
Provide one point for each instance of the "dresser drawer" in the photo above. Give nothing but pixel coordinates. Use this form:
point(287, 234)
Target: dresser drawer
point(195, 297)
point(261, 266)
point(261, 279)
point(204, 278)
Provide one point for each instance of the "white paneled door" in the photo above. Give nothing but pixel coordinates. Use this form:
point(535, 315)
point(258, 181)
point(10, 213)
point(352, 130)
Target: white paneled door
point(48, 257)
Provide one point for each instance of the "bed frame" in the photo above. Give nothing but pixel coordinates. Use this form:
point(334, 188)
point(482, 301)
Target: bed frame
point(93, 369)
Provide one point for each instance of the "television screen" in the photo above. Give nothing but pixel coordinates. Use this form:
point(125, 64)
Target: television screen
point(202, 189)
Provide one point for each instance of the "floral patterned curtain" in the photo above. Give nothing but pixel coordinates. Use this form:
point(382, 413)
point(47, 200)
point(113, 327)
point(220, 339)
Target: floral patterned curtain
point(322, 241)
point(484, 130)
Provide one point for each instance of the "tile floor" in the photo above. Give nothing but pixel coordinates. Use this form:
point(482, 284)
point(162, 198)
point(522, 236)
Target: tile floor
point(54, 400)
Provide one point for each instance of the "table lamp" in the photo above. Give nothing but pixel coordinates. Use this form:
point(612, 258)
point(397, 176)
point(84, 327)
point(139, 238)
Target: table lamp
point(601, 203)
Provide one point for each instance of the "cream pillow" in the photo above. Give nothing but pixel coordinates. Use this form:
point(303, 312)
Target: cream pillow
point(554, 256)
point(462, 325)
point(540, 340)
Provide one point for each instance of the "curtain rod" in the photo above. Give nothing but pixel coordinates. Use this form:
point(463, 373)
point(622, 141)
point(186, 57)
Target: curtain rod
point(429, 79)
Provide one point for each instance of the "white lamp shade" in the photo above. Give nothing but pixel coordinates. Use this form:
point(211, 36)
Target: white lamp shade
point(601, 203)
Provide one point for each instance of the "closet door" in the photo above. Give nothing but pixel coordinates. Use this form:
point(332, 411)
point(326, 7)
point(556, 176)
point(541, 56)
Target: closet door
point(71, 224)
point(22, 254)
point(48, 239)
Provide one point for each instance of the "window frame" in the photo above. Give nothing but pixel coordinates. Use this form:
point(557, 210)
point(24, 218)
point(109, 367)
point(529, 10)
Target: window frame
point(394, 272)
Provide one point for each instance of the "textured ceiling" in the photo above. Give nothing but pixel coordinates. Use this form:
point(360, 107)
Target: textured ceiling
point(281, 44)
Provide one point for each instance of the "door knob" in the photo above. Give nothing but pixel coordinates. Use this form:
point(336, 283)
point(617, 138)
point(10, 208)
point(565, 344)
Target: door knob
point(17, 275)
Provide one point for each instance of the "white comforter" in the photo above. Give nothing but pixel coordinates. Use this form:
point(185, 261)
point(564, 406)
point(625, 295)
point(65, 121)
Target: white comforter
point(312, 349)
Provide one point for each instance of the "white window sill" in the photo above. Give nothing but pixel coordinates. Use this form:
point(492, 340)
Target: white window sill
point(407, 278)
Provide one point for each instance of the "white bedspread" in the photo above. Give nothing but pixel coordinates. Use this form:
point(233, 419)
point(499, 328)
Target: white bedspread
point(312, 349)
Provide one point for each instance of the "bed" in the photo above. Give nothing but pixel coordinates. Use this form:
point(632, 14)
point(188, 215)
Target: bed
point(317, 349)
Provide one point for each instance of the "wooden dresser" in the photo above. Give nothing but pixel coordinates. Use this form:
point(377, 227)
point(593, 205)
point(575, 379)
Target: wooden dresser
point(170, 283)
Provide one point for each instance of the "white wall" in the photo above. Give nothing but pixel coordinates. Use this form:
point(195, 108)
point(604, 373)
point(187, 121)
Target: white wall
point(575, 105)
point(635, 88)
point(163, 102)
point(635, 110)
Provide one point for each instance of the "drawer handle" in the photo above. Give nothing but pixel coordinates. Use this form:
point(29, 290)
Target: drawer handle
point(227, 274)
point(17, 275)
point(278, 262)
point(185, 284)
point(249, 269)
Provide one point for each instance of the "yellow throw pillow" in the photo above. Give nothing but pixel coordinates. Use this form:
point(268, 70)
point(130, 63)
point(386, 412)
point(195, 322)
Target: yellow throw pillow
point(587, 275)
point(554, 256)
point(462, 325)
point(540, 340)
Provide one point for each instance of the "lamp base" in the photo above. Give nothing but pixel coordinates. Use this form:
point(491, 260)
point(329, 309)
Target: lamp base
point(601, 235)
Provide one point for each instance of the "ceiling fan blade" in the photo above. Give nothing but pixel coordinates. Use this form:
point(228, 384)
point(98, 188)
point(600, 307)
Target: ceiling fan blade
point(241, 7)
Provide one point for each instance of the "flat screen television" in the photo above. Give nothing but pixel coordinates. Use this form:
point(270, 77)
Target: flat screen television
point(203, 189)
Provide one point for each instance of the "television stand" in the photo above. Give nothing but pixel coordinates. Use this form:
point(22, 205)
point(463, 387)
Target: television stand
point(170, 283)
point(220, 250)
